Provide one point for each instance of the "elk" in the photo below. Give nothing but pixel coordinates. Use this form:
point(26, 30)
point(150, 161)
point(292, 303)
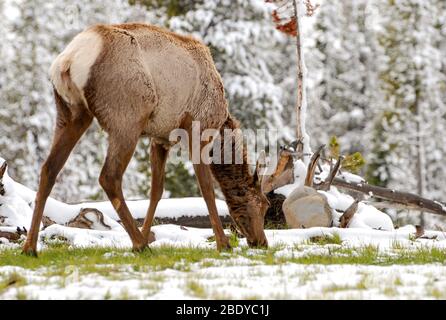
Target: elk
point(141, 80)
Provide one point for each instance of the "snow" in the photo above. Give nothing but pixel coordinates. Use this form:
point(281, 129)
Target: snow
point(366, 217)
point(167, 208)
point(13, 209)
point(291, 281)
point(16, 207)
point(239, 277)
point(369, 217)
point(18, 199)
point(236, 276)
point(300, 172)
point(178, 236)
point(353, 178)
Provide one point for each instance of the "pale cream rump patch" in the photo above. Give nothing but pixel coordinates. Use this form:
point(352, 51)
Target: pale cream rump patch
point(70, 70)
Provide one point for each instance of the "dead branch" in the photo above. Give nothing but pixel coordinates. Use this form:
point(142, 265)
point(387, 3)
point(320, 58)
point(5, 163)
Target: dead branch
point(419, 232)
point(404, 198)
point(83, 222)
point(393, 199)
point(311, 8)
point(13, 236)
point(283, 174)
point(325, 185)
point(348, 214)
point(47, 222)
point(312, 166)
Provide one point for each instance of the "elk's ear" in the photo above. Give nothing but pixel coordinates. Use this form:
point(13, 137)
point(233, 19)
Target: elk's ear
point(3, 169)
point(261, 163)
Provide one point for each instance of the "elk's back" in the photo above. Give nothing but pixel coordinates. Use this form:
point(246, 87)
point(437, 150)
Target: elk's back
point(142, 77)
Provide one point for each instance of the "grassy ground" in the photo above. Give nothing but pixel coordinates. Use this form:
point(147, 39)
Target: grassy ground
point(161, 258)
point(56, 265)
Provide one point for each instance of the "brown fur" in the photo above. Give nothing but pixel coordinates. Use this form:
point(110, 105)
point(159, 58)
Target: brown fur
point(240, 188)
point(235, 180)
point(181, 78)
point(141, 80)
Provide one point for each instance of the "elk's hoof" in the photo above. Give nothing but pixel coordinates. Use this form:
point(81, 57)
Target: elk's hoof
point(29, 251)
point(261, 244)
point(224, 246)
point(140, 247)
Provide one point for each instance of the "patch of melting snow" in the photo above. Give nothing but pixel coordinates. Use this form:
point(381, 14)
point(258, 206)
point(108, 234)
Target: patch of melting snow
point(175, 236)
point(313, 250)
point(113, 254)
point(240, 275)
point(234, 280)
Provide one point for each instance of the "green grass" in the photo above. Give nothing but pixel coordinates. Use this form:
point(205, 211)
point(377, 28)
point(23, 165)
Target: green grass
point(61, 261)
point(21, 295)
point(59, 265)
point(95, 259)
point(326, 239)
point(12, 280)
point(195, 289)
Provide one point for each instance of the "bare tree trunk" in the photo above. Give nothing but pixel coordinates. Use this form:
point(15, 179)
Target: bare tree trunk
point(420, 164)
point(299, 101)
point(420, 169)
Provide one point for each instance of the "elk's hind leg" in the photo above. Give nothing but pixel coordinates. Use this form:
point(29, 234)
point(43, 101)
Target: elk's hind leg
point(120, 151)
point(69, 129)
point(158, 157)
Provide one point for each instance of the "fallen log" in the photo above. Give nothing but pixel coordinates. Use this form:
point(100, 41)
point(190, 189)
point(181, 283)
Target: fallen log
point(274, 217)
point(404, 198)
point(393, 199)
point(11, 236)
point(84, 222)
point(188, 221)
point(383, 204)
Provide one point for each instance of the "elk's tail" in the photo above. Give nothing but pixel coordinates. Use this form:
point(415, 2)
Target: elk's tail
point(71, 70)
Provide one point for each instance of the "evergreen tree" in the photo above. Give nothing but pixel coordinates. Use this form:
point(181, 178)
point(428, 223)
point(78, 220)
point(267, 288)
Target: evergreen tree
point(341, 74)
point(409, 143)
point(247, 50)
point(40, 31)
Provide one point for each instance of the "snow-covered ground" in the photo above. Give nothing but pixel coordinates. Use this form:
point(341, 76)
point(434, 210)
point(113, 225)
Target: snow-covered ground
point(239, 279)
point(174, 235)
point(238, 276)
point(17, 203)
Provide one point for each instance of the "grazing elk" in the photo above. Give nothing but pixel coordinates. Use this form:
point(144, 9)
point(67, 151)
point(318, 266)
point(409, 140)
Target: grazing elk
point(141, 80)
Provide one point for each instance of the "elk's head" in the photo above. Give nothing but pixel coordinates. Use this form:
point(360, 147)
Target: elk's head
point(250, 216)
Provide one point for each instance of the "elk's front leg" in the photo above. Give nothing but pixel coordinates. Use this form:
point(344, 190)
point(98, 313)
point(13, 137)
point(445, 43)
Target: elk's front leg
point(204, 177)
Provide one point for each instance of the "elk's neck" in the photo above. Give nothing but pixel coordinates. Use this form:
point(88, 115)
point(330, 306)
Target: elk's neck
point(234, 179)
